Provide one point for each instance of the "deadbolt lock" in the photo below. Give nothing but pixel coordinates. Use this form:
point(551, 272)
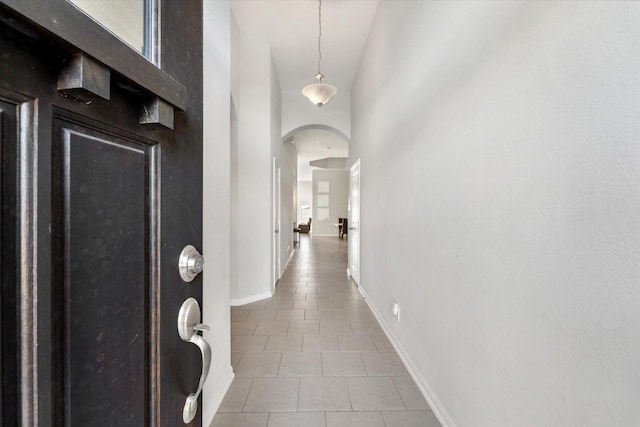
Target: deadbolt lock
point(190, 263)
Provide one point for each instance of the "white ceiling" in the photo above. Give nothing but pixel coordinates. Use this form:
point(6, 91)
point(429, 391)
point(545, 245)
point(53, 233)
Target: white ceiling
point(291, 28)
point(314, 144)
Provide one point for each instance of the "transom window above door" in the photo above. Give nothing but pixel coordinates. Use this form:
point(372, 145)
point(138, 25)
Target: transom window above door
point(129, 20)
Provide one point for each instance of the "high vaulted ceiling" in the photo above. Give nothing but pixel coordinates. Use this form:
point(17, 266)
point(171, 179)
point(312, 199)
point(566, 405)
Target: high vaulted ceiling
point(291, 28)
point(315, 144)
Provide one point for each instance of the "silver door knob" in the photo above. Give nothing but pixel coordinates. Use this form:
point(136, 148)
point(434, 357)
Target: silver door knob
point(188, 327)
point(190, 263)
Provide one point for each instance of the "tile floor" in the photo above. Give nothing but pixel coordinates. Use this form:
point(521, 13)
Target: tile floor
point(314, 355)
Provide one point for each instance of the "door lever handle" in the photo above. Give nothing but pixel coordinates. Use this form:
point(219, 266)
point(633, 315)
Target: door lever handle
point(201, 327)
point(191, 404)
point(188, 328)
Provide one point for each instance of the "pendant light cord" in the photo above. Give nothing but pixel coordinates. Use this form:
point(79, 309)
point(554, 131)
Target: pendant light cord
point(319, 35)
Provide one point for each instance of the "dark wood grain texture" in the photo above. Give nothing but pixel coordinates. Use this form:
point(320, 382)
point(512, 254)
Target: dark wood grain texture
point(72, 278)
point(69, 25)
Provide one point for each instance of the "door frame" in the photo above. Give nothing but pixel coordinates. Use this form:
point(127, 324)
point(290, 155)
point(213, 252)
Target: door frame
point(354, 243)
point(276, 188)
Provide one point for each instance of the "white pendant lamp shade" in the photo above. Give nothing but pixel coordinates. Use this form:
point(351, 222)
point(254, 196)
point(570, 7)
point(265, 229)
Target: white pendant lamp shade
point(319, 93)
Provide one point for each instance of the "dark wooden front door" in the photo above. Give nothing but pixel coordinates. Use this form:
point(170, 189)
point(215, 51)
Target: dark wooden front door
point(96, 208)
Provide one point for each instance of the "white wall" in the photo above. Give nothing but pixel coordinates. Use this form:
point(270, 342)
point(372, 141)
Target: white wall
point(305, 197)
point(285, 154)
point(257, 98)
point(338, 196)
point(216, 202)
point(298, 112)
point(251, 227)
point(505, 137)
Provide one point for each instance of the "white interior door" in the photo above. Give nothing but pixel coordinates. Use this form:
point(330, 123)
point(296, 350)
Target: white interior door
point(354, 222)
point(276, 220)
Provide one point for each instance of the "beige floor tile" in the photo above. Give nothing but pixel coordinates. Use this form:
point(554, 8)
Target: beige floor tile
point(286, 314)
point(272, 395)
point(240, 420)
point(382, 343)
point(306, 305)
point(258, 305)
point(318, 315)
point(236, 395)
point(384, 364)
point(303, 327)
point(320, 343)
point(354, 419)
point(315, 347)
point(235, 360)
point(280, 304)
point(259, 365)
point(258, 315)
point(324, 394)
point(335, 327)
point(342, 365)
point(239, 315)
point(366, 327)
point(278, 327)
point(297, 419)
point(374, 394)
point(300, 365)
point(356, 343)
point(243, 328)
point(410, 419)
point(411, 395)
point(284, 344)
point(248, 344)
point(346, 314)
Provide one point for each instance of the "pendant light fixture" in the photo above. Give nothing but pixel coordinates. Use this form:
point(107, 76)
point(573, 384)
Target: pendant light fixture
point(319, 93)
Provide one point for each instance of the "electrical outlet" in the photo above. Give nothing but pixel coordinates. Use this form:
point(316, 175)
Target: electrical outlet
point(396, 311)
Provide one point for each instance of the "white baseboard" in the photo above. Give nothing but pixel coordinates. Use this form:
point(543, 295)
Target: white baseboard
point(248, 300)
point(214, 403)
point(288, 261)
point(436, 405)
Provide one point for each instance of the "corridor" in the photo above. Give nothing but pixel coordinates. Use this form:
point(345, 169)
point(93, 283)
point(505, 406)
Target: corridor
point(314, 355)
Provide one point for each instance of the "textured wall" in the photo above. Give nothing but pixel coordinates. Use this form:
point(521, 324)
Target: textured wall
point(251, 225)
point(338, 196)
point(504, 139)
point(216, 202)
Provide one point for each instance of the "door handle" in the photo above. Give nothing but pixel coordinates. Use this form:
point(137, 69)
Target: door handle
point(188, 327)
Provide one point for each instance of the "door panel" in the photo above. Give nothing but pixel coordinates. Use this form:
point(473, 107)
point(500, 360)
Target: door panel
point(8, 340)
point(104, 196)
point(96, 209)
